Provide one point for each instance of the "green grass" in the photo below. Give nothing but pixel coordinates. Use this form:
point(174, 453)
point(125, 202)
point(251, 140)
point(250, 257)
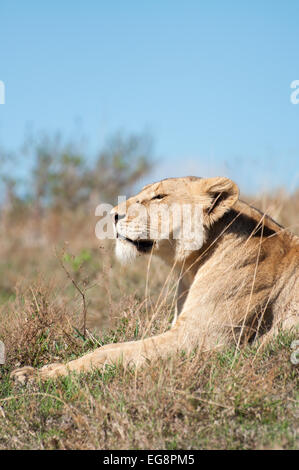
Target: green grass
point(247, 400)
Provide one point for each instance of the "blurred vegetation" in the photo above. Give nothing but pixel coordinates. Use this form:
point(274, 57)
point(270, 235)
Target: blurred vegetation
point(61, 176)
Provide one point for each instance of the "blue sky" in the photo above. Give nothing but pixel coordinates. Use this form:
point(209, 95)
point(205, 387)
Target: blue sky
point(210, 80)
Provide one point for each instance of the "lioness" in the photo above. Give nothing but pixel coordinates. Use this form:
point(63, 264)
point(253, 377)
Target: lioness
point(238, 280)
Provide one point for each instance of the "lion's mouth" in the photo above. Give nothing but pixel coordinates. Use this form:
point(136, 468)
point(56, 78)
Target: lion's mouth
point(141, 245)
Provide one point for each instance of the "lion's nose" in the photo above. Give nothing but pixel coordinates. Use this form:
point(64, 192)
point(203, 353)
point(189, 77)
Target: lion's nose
point(118, 217)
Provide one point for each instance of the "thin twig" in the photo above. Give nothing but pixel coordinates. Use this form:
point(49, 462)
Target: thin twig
point(75, 284)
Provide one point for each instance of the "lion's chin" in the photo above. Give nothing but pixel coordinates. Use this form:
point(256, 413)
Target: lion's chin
point(125, 251)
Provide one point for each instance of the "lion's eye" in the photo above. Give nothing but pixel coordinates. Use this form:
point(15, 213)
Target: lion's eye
point(159, 196)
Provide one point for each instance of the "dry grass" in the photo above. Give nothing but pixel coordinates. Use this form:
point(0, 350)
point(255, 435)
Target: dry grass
point(209, 401)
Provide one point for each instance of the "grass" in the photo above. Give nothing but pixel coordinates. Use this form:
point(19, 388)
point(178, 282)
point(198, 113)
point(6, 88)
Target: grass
point(223, 400)
point(184, 403)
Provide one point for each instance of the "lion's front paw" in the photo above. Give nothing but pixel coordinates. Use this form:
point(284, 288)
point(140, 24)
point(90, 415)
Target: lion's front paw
point(24, 374)
point(28, 374)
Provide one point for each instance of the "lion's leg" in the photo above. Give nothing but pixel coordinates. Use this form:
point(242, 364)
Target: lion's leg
point(131, 353)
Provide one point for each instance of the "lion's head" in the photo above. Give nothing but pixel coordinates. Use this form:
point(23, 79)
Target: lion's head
point(171, 218)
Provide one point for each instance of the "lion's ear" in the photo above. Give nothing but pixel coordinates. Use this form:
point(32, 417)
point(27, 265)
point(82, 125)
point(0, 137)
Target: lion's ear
point(222, 195)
